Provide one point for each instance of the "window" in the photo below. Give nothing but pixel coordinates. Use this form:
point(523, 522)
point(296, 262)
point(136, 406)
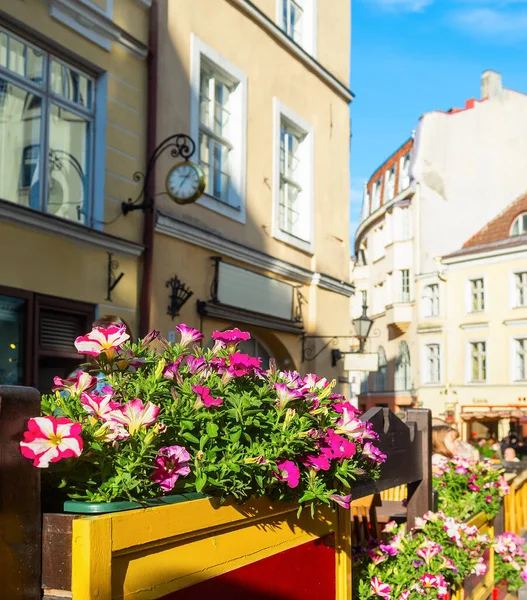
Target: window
point(519, 227)
point(219, 122)
point(298, 19)
point(477, 295)
point(521, 359)
point(431, 300)
point(405, 285)
point(478, 358)
point(364, 383)
point(376, 195)
point(403, 223)
point(293, 181)
point(364, 298)
point(365, 205)
point(381, 375)
point(402, 368)
point(521, 288)
point(432, 363)
point(47, 122)
point(404, 172)
point(389, 184)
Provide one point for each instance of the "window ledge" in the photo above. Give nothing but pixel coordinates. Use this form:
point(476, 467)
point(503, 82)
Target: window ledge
point(222, 208)
point(293, 241)
point(51, 225)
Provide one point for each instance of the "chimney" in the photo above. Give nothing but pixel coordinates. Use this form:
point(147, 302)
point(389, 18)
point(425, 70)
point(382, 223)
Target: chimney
point(491, 85)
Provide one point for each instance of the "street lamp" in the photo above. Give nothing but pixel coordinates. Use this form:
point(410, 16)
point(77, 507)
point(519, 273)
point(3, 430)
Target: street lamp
point(362, 326)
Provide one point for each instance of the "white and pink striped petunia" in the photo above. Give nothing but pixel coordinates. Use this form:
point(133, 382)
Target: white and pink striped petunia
point(49, 440)
point(102, 339)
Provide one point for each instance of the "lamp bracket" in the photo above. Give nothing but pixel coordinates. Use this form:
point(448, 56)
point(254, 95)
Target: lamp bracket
point(179, 144)
point(310, 354)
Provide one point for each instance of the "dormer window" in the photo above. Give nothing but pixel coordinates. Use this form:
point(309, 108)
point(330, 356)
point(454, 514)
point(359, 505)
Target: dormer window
point(519, 227)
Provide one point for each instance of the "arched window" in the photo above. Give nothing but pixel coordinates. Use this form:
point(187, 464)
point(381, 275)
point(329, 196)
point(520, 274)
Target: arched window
point(402, 368)
point(381, 376)
point(519, 227)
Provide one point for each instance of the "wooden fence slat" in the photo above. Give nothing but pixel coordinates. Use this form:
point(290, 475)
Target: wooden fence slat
point(420, 492)
point(20, 511)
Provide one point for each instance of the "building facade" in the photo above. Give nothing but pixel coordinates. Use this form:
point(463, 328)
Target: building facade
point(266, 247)
point(73, 83)
point(459, 169)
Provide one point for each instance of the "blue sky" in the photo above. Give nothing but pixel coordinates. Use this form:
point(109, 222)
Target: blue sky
point(413, 56)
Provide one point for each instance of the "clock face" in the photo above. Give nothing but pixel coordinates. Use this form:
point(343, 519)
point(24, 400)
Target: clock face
point(185, 183)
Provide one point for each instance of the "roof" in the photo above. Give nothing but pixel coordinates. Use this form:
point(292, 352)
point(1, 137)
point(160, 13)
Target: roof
point(496, 233)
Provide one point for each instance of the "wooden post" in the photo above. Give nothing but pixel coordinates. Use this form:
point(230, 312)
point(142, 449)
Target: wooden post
point(420, 492)
point(20, 512)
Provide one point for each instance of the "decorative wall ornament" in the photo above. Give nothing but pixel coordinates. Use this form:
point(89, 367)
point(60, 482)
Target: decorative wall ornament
point(179, 294)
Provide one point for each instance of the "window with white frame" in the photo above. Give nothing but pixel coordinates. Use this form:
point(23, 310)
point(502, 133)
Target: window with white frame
point(519, 227)
point(47, 128)
point(402, 368)
point(431, 300)
point(520, 288)
point(520, 362)
point(376, 195)
point(294, 179)
point(432, 363)
point(364, 298)
point(404, 292)
point(404, 172)
point(403, 223)
point(365, 205)
point(389, 184)
point(381, 375)
point(476, 295)
point(218, 122)
point(298, 19)
point(478, 361)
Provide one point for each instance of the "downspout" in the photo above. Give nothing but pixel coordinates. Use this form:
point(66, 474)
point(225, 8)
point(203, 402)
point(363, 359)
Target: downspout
point(150, 214)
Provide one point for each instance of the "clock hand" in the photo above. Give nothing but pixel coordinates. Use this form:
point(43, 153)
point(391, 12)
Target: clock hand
point(183, 181)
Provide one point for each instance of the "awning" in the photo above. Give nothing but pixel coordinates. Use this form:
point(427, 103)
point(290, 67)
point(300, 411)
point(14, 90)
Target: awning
point(494, 415)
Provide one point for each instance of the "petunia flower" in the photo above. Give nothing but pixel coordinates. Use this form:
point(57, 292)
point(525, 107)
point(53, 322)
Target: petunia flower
point(349, 425)
point(195, 364)
point(189, 335)
point(171, 371)
point(102, 339)
point(373, 453)
point(389, 549)
point(318, 463)
point(243, 364)
point(380, 589)
point(111, 431)
point(288, 472)
point(135, 415)
point(98, 405)
point(82, 382)
point(428, 550)
point(339, 446)
point(404, 595)
point(344, 501)
point(231, 337)
point(49, 440)
point(171, 463)
point(285, 394)
point(205, 398)
point(390, 527)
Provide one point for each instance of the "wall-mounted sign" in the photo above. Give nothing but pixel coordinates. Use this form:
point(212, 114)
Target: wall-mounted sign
point(361, 362)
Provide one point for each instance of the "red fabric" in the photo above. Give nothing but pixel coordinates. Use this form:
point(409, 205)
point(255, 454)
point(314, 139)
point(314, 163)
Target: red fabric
point(306, 572)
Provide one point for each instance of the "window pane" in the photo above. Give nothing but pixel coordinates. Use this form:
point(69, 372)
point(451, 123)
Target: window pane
point(69, 164)
point(3, 49)
point(35, 66)
point(20, 123)
point(16, 56)
point(71, 85)
point(12, 336)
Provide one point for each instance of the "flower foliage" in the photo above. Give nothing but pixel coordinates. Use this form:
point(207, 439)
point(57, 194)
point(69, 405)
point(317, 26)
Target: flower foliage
point(510, 561)
point(174, 418)
point(432, 559)
point(467, 487)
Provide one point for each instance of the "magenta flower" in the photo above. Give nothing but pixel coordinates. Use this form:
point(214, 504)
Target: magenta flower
point(189, 335)
point(474, 488)
point(430, 581)
point(242, 364)
point(231, 337)
point(82, 382)
point(376, 556)
point(481, 568)
point(171, 371)
point(318, 463)
point(380, 589)
point(340, 406)
point(195, 365)
point(171, 463)
point(389, 549)
point(344, 501)
point(349, 425)
point(313, 382)
point(417, 564)
point(404, 595)
point(135, 415)
point(150, 337)
point(288, 472)
point(102, 339)
point(49, 440)
point(373, 453)
point(285, 394)
point(98, 405)
point(428, 550)
point(488, 498)
point(205, 398)
point(339, 446)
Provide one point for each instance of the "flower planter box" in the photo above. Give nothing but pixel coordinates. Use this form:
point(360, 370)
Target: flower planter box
point(196, 548)
point(501, 592)
point(480, 587)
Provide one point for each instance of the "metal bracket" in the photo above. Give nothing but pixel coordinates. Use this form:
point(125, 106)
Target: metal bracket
point(308, 354)
point(113, 280)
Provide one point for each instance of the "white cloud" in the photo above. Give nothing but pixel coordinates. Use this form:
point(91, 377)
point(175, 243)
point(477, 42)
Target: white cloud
point(402, 5)
point(502, 25)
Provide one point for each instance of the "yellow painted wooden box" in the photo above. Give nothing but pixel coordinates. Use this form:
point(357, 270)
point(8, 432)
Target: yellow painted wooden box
point(152, 553)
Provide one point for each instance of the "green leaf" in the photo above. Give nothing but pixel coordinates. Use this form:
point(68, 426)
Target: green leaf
point(190, 437)
point(212, 429)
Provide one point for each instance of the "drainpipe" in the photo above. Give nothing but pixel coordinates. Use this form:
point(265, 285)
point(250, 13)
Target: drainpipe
point(150, 214)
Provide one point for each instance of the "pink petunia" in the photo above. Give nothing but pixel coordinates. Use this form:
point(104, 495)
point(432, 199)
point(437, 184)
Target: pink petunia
point(288, 472)
point(339, 446)
point(195, 364)
point(344, 501)
point(373, 453)
point(99, 405)
point(82, 382)
point(171, 371)
point(135, 415)
point(231, 337)
point(243, 364)
point(49, 440)
point(171, 463)
point(205, 398)
point(318, 463)
point(349, 425)
point(285, 394)
point(102, 339)
point(189, 335)
point(380, 589)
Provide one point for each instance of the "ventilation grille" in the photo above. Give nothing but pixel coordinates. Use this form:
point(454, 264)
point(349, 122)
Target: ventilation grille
point(58, 330)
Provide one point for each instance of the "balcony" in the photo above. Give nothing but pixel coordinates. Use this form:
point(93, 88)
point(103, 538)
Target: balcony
point(398, 318)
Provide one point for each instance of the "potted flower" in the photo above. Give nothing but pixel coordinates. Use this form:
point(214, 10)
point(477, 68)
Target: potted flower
point(510, 564)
